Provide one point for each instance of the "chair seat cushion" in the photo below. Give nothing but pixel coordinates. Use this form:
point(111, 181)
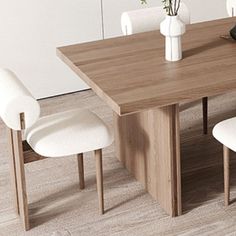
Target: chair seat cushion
point(68, 133)
point(225, 132)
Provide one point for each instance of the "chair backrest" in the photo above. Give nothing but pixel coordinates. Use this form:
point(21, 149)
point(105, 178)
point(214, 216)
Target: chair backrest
point(231, 7)
point(15, 99)
point(148, 19)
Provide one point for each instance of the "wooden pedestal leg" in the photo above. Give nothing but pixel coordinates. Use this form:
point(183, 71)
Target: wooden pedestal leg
point(148, 145)
point(13, 170)
point(98, 157)
point(20, 175)
point(81, 170)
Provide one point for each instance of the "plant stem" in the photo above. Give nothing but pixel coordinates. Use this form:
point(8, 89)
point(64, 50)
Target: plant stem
point(177, 10)
point(171, 8)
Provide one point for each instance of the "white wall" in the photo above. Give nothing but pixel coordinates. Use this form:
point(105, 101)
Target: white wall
point(204, 10)
point(30, 31)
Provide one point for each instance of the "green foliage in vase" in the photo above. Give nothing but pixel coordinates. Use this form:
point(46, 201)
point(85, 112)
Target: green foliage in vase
point(171, 6)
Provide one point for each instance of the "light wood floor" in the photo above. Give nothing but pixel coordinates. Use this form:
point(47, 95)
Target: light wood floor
point(56, 203)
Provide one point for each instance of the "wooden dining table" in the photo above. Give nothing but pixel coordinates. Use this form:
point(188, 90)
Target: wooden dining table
point(144, 90)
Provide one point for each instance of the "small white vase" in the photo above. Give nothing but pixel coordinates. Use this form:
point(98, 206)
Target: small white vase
point(172, 28)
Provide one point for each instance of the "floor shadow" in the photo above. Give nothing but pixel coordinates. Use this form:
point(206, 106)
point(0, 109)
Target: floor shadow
point(202, 165)
point(136, 142)
point(49, 199)
point(126, 201)
point(54, 205)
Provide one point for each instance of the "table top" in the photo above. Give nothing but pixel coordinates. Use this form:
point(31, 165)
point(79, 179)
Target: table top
point(130, 73)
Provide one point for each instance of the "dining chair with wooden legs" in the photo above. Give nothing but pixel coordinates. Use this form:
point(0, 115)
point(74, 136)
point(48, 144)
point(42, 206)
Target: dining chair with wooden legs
point(149, 19)
point(62, 134)
point(225, 133)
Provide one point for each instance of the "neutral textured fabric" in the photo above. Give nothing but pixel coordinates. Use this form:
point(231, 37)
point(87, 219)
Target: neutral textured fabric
point(68, 133)
point(225, 132)
point(231, 7)
point(16, 99)
point(148, 19)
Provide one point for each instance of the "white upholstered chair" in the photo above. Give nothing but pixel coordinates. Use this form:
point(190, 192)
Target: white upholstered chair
point(225, 133)
point(149, 19)
point(68, 133)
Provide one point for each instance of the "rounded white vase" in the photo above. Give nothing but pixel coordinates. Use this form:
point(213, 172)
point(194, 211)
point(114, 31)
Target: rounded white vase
point(172, 28)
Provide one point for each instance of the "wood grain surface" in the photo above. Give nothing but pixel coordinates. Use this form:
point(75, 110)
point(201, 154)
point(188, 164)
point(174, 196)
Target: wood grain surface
point(131, 74)
point(147, 143)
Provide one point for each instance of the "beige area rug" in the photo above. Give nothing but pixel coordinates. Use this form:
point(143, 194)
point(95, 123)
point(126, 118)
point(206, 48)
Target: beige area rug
point(57, 204)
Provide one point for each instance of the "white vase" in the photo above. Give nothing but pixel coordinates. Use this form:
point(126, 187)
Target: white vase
point(173, 28)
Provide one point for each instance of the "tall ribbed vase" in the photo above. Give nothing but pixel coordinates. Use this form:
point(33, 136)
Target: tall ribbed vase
point(172, 28)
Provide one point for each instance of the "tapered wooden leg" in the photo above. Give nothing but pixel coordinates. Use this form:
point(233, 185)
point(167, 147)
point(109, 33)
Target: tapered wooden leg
point(99, 174)
point(226, 175)
point(81, 170)
point(205, 114)
point(13, 171)
point(20, 175)
point(148, 144)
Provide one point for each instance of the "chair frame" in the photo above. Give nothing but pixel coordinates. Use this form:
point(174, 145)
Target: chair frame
point(226, 156)
point(17, 147)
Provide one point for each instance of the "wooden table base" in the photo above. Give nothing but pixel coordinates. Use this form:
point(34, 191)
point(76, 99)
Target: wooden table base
point(148, 145)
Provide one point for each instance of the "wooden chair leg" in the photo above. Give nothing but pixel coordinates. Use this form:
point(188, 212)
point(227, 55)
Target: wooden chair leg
point(226, 175)
point(13, 171)
point(205, 114)
point(21, 183)
point(81, 170)
point(99, 174)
